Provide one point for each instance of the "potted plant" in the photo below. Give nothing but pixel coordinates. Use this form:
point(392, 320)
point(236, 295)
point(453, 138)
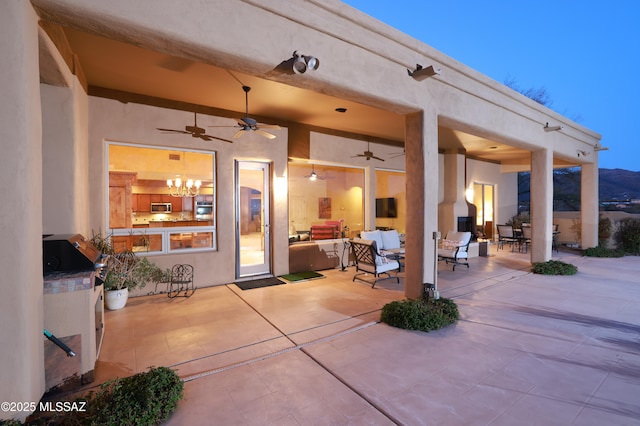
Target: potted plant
point(126, 271)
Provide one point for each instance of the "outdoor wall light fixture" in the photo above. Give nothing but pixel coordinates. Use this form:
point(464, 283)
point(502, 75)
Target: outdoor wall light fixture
point(302, 63)
point(582, 153)
point(548, 128)
point(421, 73)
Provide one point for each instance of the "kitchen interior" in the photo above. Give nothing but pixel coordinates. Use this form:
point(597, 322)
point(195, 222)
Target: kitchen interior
point(151, 188)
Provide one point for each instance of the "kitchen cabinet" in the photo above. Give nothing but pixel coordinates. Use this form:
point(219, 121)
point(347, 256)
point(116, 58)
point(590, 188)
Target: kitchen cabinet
point(144, 203)
point(207, 198)
point(176, 202)
point(120, 187)
point(187, 204)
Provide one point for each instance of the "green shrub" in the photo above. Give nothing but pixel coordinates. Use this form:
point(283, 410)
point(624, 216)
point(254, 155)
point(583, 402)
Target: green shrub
point(554, 267)
point(146, 398)
point(142, 399)
point(627, 235)
point(420, 314)
point(602, 251)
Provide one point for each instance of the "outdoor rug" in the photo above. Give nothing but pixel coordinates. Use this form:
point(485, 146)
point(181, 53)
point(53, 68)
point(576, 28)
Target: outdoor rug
point(262, 282)
point(302, 276)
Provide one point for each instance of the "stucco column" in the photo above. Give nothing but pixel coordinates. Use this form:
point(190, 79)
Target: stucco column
point(65, 160)
point(370, 194)
point(421, 145)
point(21, 311)
point(589, 201)
point(541, 205)
point(454, 204)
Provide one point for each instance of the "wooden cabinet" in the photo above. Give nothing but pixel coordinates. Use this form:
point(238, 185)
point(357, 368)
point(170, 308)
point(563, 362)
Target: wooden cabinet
point(144, 203)
point(187, 204)
point(120, 209)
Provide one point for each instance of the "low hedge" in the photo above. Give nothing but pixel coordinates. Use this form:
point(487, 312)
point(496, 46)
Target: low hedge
point(420, 314)
point(602, 251)
point(147, 398)
point(554, 267)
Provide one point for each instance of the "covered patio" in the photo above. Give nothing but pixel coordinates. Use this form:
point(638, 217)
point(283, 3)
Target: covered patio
point(551, 350)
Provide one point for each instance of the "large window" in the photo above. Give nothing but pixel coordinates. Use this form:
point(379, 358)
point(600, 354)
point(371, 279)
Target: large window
point(324, 195)
point(145, 214)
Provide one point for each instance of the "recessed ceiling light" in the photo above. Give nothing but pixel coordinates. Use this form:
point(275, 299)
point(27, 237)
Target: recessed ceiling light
point(341, 110)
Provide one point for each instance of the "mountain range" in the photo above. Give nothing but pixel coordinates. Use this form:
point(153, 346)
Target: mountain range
point(614, 185)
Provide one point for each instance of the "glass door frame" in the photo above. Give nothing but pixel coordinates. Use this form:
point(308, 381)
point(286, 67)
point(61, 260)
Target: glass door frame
point(264, 268)
point(482, 209)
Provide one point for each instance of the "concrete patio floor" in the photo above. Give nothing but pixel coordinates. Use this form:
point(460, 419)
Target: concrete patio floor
point(528, 349)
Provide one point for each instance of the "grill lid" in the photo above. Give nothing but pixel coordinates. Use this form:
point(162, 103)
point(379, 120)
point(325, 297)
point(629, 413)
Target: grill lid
point(68, 253)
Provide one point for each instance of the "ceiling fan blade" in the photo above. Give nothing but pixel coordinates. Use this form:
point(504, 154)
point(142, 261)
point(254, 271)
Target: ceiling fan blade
point(239, 133)
point(265, 134)
point(269, 126)
point(210, 138)
point(174, 131)
point(377, 158)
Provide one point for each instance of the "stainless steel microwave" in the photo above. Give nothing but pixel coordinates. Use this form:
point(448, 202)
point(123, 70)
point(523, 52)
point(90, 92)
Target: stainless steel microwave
point(160, 207)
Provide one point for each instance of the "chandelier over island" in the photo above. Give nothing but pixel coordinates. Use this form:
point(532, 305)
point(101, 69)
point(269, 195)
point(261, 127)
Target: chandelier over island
point(177, 188)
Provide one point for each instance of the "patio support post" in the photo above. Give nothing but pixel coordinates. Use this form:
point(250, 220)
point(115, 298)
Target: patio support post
point(421, 136)
point(589, 212)
point(541, 205)
point(21, 308)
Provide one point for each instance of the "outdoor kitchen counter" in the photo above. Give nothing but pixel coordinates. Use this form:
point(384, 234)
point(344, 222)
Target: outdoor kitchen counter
point(73, 312)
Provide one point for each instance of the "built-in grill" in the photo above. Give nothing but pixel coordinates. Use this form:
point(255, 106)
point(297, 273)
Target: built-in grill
point(71, 253)
point(74, 271)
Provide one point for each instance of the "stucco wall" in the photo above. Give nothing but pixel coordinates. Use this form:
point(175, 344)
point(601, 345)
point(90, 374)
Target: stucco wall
point(21, 308)
point(134, 123)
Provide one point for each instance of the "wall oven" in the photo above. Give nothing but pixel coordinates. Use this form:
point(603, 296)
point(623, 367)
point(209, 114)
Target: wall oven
point(204, 209)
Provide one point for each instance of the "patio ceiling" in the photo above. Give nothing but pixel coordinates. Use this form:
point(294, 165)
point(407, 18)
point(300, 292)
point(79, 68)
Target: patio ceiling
point(129, 73)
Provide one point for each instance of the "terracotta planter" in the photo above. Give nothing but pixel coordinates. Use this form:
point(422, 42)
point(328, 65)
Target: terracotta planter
point(116, 299)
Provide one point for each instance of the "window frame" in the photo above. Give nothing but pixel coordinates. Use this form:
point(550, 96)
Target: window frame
point(166, 232)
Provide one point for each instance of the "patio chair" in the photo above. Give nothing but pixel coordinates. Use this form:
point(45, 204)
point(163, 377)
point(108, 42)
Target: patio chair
point(455, 248)
point(370, 261)
point(526, 238)
point(181, 281)
point(506, 235)
point(554, 238)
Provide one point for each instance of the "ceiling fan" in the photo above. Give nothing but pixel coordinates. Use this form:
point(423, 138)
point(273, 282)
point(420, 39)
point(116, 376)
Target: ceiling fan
point(368, 155)
point(194, 131)
point(248, 124)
